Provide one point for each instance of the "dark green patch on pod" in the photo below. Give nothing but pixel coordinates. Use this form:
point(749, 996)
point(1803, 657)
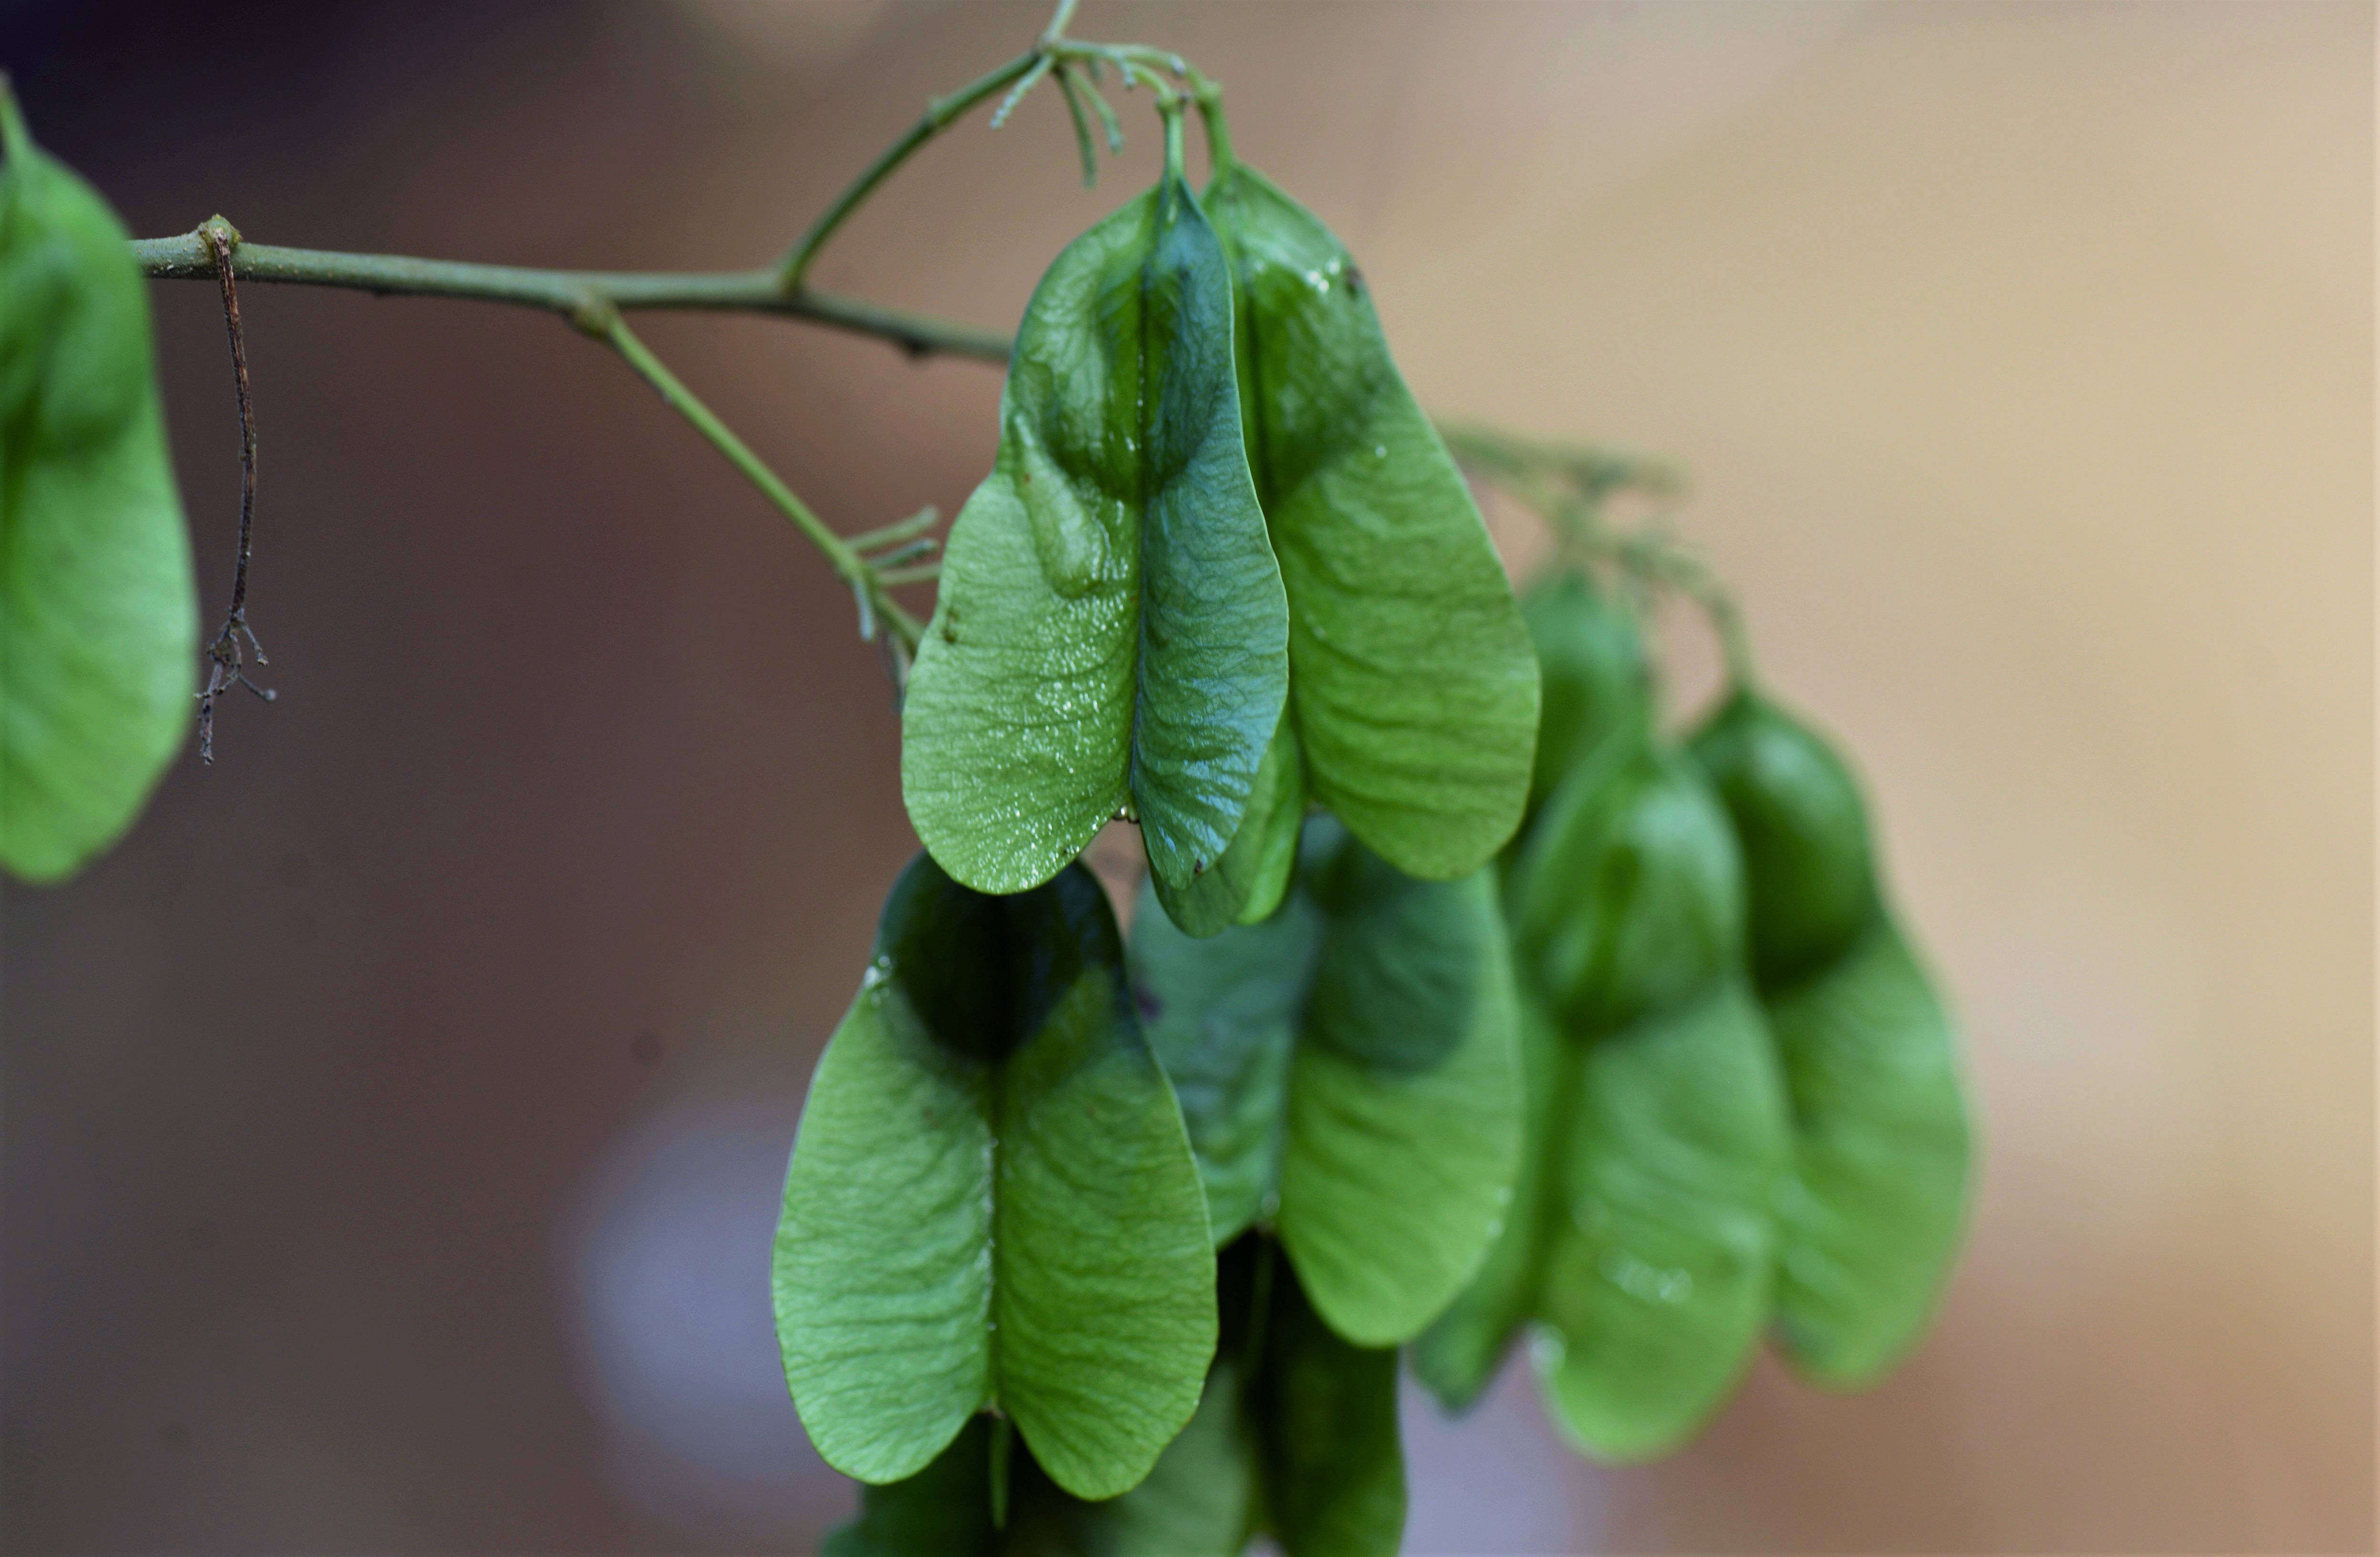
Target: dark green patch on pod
point(992, 1202)
point(1628, 894)
point(1796, 810)
point(1350, 1068)
point(1326, 1416)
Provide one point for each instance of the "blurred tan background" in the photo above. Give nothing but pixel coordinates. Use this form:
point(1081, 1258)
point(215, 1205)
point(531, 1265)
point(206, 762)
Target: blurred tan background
point(393, 1127)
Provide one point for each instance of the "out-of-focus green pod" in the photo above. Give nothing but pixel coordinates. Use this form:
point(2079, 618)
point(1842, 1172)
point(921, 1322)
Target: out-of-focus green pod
point(1627, 896)
point(1872, 1220)
point(1592, 670)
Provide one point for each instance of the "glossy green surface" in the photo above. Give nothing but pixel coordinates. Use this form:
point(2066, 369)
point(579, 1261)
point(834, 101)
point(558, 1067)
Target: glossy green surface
point(1110, 632)
point(1413, 689)
point(989, 1099)
point(98, 609)
point(1658, 1278)
point(1248, 882)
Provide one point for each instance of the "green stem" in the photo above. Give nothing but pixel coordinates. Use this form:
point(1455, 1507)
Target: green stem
point(941, 114)
point(1080, 114)
point(1660, 562)
point(185, 258)
point(897, 531)
point(1567, 487)
point(1016, 93)
point(1202, 88)
point(606, 324)
point(1210, 98)
point(1109, 124)
point(937, 116)
point(1170, 110)
point(1003, 1444)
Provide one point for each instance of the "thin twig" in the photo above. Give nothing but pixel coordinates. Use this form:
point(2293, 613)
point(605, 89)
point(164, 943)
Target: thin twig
point(594, 302)
point(867, 586)
point(1568, 486)
point(1080, 114)
point(918, 523)
point(226, 661)
point(187, 258)
point(907, 552)
point(791, 276)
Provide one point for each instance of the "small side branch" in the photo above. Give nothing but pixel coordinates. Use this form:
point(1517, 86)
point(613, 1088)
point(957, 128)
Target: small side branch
point(226, 665)
point(869, 586)
point(789, 278)
point(187, 258)
point(1569, 487)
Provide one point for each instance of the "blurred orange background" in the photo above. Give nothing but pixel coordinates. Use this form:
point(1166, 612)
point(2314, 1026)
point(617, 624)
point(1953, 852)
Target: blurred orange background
point(394, 1123)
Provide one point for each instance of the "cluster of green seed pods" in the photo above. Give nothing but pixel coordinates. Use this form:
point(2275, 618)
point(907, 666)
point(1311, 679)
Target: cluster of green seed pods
point(1459, 1003)
point(1222, 567)
point(1743, 1106)
point(1166, 1210)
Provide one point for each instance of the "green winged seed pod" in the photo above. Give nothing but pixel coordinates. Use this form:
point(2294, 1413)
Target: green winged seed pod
point(1223, 1014)
point(1873, 1220)
point(1403, 1127)
point(1413, 686)
point(1596, 681)
point(1641, 1235)
point(990, 1096)
point(1349, 1069)
point(1110, 634)
point(1457, 1357)
point(1246, 885)
point(1809, 868)
point(1628, 894)
point(1657, 1279)
point(98, 609)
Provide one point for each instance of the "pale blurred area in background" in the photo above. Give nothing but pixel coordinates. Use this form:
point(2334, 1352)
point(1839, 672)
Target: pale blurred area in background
point(394, 1126)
